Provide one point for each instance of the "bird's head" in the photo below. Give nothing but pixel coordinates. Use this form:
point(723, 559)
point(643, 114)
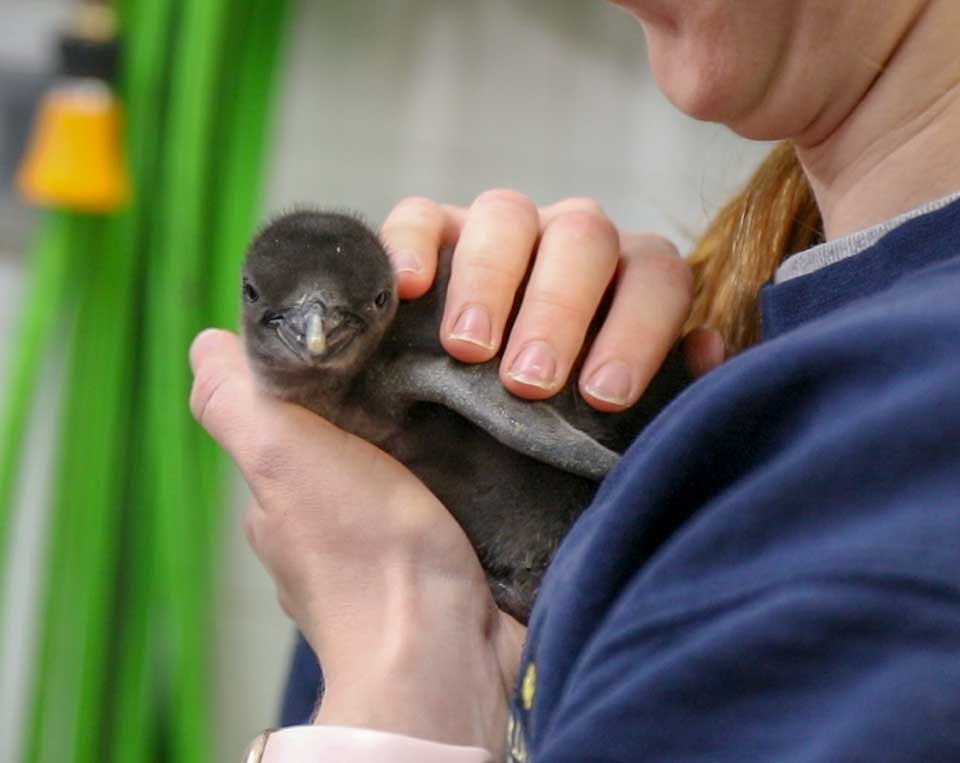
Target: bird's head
point(318, 293)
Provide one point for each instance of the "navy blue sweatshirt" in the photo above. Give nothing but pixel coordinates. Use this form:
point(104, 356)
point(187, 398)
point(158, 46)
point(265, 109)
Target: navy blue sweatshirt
point(772, 572)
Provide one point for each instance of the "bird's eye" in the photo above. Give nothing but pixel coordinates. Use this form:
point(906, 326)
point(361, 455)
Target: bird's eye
point(249, 293)
point(271, 318)
point(381, 298)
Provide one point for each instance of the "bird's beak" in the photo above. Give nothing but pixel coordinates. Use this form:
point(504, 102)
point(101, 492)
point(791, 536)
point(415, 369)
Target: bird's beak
point(302, 329)
point(314, 337)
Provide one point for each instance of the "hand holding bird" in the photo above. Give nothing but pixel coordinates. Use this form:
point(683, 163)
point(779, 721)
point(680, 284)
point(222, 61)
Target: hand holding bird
point(367, 561)
point(374, 570)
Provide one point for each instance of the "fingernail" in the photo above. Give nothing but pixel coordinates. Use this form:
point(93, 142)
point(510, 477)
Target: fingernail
point(474, 326)
point(405, 263)
point(535, 365)
point(611, 383)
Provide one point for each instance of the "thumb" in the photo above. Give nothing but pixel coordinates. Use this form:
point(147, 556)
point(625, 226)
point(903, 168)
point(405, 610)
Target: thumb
point(269, 440)
point(224, 399)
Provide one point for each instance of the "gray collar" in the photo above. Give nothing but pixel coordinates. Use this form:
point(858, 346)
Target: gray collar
point(820, 256)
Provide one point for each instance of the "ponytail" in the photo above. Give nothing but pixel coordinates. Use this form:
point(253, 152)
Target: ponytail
point(774, 216)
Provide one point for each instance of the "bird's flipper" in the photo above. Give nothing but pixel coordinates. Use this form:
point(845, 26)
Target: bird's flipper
point(535, 429)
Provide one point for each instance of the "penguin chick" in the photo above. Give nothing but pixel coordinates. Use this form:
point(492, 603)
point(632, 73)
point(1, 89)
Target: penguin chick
point(323, 328)
point(318, 295)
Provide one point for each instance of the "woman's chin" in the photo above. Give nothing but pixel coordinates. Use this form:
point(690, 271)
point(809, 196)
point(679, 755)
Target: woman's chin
point(717, 88)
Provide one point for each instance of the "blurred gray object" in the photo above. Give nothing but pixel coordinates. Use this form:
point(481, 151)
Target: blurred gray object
point(26, 33)
point(20, 91)
point(26, 59)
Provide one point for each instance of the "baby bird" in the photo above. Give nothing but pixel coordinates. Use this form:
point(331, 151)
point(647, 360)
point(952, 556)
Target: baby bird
point(323, 327)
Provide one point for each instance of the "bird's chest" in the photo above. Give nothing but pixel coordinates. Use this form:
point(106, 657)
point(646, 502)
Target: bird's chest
point(342, 403)
point(366, 420)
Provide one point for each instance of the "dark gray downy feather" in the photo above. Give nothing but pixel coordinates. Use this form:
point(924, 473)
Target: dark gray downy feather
point(323, 328)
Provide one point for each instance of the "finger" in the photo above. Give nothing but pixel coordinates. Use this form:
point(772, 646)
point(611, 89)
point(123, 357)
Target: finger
point(651, 302)
point(221, 385)
point(454, 220)
point(575, 262)
point(565, 206)
point(414, 233)
point(489, 263)
point(704, 350)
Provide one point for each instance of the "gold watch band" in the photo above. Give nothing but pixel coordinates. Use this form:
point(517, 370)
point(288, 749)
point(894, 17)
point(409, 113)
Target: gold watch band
point(258, 747)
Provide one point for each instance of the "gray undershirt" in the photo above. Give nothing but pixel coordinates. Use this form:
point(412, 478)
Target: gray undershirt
point(809, 260)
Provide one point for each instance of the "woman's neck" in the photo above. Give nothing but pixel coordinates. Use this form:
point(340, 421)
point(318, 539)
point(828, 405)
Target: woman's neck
point(899, 147)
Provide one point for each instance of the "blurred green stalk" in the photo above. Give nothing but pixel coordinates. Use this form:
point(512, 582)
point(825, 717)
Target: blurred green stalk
point(123, 669)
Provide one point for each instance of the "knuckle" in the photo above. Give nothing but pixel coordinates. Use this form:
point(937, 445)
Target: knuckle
point(559, 305)
point(506, 198)
point(641, 244)
point(674, 271)
point(414, 210)
point(662, 245)
point(581, 204)
point(585, 225)
point(488, 270)
point(268, 460)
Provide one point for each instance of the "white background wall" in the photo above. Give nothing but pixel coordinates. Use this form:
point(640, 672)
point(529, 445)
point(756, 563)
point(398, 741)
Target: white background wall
point(446, 98)
point(443, 98)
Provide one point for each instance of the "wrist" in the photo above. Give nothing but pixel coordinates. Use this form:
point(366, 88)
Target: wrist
point(428, 670)
point(445, 695)
point(392, 612)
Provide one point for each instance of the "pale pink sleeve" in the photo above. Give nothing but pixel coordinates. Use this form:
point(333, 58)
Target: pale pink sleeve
point(341, 744)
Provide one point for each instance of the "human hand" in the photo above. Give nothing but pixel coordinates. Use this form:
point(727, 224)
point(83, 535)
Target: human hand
point(373, 569)
point(577, 252)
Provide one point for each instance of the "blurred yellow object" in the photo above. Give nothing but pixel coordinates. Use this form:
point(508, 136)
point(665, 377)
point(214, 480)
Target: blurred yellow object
point(75, 159)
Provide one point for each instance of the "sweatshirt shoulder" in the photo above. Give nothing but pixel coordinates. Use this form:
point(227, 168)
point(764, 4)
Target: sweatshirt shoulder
point(832, 446)
point(829, 450)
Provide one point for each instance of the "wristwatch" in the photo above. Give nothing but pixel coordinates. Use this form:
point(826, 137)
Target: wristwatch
point(257, 747)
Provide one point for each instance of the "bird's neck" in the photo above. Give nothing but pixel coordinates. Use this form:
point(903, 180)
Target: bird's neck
point(322, 392)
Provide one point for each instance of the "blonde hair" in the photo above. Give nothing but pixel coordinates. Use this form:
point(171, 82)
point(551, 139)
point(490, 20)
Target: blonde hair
point(774, 216)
